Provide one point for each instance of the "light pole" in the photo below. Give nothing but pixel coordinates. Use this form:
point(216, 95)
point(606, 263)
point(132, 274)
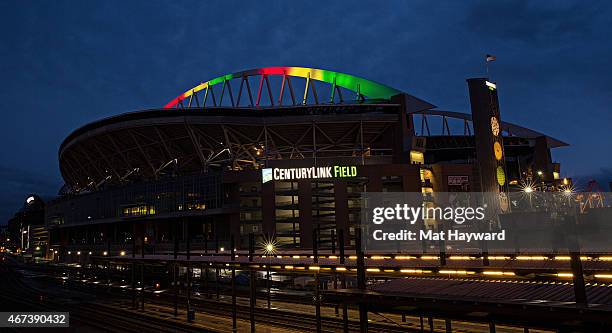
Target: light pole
point(269, 247)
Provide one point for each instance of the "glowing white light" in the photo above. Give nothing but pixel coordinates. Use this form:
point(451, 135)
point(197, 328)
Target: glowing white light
point(268, 245)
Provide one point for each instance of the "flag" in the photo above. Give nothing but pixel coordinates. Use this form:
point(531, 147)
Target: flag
point(491, 58)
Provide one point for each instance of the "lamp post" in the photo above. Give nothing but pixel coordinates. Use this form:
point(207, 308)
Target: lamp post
point(269, 249)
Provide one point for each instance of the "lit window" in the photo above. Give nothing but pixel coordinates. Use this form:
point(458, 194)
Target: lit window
point(417, 157)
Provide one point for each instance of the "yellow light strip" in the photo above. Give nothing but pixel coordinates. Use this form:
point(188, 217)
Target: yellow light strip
point(498, 258)
point(404, 257)
point(531, 258)
point(461, 258)
point(373, 270)
point(603, 276)
point(565, 275)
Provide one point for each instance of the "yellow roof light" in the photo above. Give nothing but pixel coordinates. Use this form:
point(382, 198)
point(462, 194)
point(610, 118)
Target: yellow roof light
point(603, 276)
point(565, 275)
point(404, 257)
point(460, 258)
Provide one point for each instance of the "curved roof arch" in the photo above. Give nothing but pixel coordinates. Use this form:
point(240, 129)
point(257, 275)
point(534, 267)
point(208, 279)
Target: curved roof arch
point(361, 86)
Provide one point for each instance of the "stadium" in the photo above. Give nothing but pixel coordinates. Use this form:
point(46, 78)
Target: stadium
point(175, 199)
point(282, 152)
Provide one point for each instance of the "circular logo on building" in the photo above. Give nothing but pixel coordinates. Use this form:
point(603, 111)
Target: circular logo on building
point(501, 176)
point(497, 149)
point(494, 126)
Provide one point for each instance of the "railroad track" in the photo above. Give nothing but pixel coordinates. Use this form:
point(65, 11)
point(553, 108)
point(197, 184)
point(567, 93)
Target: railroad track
point(102, 318)
point(297, 321)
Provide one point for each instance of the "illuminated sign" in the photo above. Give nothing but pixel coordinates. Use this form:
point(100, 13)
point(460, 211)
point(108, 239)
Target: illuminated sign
point(336, 171)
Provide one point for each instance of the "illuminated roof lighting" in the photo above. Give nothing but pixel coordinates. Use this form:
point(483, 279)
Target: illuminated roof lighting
point(365, 87)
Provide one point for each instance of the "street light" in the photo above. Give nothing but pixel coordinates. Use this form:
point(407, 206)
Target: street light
point(269, 248)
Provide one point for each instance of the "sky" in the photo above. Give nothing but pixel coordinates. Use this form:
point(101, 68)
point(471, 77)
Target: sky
point(66, 63)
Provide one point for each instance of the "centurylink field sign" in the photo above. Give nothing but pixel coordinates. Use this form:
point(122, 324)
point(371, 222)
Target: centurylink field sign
point(335, 171)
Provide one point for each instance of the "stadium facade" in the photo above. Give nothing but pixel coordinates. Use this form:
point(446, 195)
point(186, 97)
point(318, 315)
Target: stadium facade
point(282, 152)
